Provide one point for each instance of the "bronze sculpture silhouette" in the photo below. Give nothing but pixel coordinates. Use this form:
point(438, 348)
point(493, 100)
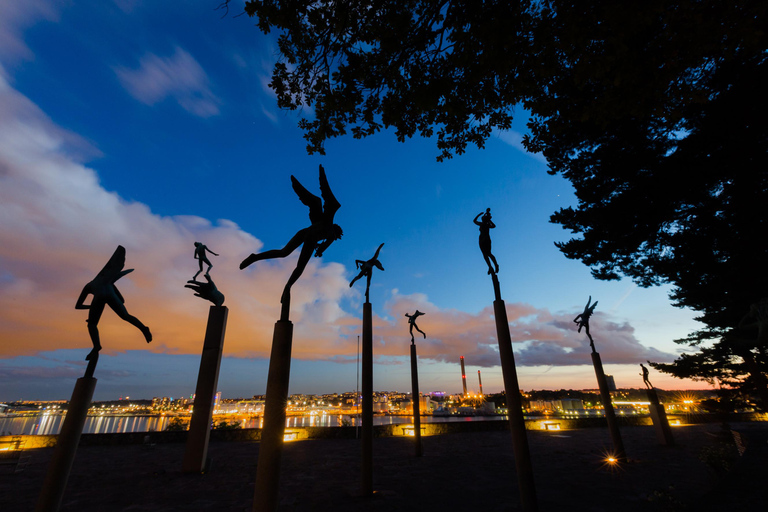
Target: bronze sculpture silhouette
point(207, 290)
point(366, 269)
point(412, 321)
point(317, 237)
point(486, 224)
point(583, 320)
point(105, 293)
point(646, 380)
point(200, 250)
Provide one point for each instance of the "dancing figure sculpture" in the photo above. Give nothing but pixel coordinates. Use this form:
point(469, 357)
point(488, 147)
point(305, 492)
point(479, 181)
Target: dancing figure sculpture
point(200, 250)
point(105, 293)
point(646, 380)
point(366, 269)
point(486, 224)
point(583, 320)
point(315, 238)
point(412, 321)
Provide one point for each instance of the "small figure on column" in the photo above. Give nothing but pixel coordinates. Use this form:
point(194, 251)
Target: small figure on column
point(486, 224)
point(583, 320)
point(200, 250)
point(105, 293)
point(412, 321)
point(366, 269)
point(315, 238)
point(205, 290)
point(646, 380)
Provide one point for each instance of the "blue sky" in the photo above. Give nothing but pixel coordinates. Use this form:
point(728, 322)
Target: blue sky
point(151, 126)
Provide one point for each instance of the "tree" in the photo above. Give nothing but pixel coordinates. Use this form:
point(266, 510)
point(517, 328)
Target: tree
point(654, 111)
point(418, 66)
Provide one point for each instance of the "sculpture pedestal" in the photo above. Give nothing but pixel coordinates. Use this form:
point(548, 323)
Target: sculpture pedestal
point(367, 392)
point(416, 401)
point(66, 446)
point(610, 416)
point(515, 406)
point(207, 379)
point(659, 419)
point(266, 495)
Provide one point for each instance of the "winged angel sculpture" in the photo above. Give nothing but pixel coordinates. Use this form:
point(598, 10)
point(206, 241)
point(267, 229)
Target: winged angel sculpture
point(315, 238)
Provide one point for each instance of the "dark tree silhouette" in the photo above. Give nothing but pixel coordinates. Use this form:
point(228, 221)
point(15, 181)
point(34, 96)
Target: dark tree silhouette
point(655, 111)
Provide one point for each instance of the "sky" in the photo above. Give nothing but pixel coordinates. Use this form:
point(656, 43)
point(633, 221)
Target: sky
point(142, 124)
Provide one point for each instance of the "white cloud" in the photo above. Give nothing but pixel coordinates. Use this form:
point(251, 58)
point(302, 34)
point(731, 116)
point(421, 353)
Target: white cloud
point(515, 139)
point(179, 76)
point(58, 227)
point(15, 16)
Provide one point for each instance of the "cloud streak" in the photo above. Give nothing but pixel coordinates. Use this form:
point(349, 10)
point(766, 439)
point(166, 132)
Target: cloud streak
point(14, 18)
point(179, 77)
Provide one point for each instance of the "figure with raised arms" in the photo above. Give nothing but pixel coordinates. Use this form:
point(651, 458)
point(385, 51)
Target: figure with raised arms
point(315, 238)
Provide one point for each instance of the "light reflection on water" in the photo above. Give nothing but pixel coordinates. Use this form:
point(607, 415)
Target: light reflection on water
point(47, 424)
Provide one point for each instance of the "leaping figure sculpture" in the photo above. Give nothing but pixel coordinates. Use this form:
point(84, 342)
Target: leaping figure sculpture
point(315, 238)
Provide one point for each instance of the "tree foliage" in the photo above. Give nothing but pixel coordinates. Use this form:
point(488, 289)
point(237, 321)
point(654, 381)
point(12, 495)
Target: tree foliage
point(654, 110)
point(454, 69)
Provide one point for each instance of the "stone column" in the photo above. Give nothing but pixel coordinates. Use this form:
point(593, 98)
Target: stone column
point(266, 493)
point(659, 419)
point(610, 416)
point(196, 452)
point(66, 445)
point(514, 403)
point(416, 404)
point(367, 392)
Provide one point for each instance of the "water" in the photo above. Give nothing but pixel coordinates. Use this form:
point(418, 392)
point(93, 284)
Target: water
point(47, 424)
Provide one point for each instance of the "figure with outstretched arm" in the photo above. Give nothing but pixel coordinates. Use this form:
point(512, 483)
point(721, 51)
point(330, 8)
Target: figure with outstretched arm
point(486, 224)
point(315, 238)
point(105, 293)
point(412, 321)
point(583, 320)
point(646, 380)
point(366, 269)
point(200, 250)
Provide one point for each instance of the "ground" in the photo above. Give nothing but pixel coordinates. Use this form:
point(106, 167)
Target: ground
point(462, 472)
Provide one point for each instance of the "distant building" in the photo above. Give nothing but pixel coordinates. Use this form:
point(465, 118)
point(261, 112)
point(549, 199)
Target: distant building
point(611, 383)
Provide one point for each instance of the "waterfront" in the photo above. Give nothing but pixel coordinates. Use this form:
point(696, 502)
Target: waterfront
point(50, 423)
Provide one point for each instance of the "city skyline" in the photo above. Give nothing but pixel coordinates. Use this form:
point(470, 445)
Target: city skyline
point(171, 136)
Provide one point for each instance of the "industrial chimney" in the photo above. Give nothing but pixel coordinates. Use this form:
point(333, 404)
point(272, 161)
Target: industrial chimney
point(463, 376)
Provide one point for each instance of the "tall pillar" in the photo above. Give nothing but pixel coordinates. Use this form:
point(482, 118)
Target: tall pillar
point(515, 406)
point(266, 495)
point(196, 452)
point(416, 399)
point(66, 445)
point(659, 419)
point(610, 416)
point(367, 391)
